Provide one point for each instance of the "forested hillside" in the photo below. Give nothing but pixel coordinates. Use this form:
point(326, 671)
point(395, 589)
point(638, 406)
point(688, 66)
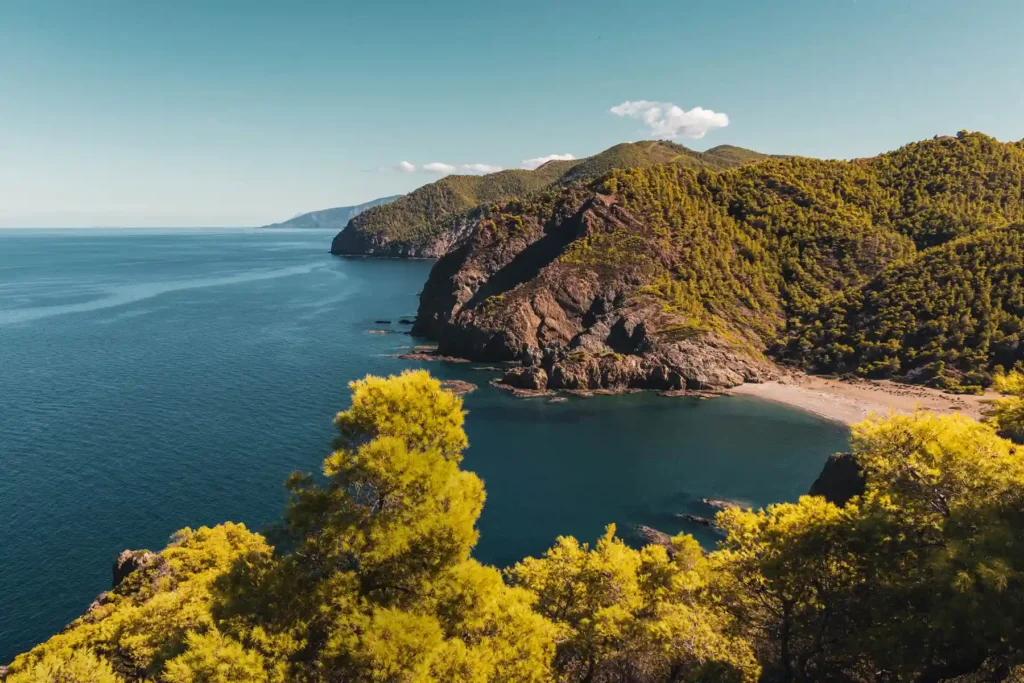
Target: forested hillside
point(916, 574)
point(431, 219)
point(907, 264)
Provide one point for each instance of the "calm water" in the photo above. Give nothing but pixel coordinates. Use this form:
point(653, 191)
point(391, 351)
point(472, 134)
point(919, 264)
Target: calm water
point(155, 380)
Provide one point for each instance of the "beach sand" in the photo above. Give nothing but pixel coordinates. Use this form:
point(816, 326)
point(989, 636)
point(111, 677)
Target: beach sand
point(850, 402)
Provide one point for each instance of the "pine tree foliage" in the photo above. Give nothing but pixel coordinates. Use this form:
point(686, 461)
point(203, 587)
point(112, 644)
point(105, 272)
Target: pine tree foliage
point(920, 578)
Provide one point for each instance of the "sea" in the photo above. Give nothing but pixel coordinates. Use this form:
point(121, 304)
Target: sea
point(156, 379)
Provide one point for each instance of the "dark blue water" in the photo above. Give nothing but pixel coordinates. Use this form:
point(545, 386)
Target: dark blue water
point(155, 380)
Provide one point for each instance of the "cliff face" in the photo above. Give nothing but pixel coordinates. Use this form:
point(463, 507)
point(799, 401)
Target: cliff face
point(518, 289)
point(355, 240)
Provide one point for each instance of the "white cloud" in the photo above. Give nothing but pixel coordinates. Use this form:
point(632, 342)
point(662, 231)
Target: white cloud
point(668, 121)
point(479, 168)
point(400, 167)
point(438, 167)
point(537, 162)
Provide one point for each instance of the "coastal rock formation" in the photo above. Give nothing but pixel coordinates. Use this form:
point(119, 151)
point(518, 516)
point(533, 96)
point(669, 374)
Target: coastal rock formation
point(130, 561)
point(652, 536)
point(515, 292)
point(526, 378)
point(841, 479)
point(668, 278)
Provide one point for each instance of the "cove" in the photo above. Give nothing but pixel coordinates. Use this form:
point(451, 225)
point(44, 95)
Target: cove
point(151, 380)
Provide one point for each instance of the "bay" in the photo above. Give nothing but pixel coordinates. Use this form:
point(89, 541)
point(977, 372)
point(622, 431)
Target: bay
point(151, 380)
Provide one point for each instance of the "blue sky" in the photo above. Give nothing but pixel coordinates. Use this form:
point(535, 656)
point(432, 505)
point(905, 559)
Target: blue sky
point(210, 112)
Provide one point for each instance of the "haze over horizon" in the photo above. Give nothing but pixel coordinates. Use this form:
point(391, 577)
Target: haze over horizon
point(203, 114)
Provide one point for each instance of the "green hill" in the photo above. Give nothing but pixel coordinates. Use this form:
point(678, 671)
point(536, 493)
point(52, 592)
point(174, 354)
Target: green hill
point(907, 264)
point(431, 219)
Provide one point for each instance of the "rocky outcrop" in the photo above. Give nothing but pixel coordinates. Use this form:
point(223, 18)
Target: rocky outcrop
point(841, 479)
point(520, 288)
point(357, 240)
point(130, 561)
point(652, 536)
point(526, 378)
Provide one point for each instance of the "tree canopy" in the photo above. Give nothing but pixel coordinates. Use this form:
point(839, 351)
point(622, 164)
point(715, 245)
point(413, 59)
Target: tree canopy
point(920, 578)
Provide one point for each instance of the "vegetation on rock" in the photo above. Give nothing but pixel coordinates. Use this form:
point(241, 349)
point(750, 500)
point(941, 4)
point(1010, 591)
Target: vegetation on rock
point(918, 578)
point(906, 265)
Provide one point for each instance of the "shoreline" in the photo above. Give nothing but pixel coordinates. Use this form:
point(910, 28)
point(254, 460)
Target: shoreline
point(849, 402)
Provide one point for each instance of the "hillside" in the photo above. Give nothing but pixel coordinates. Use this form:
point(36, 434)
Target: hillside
point(433, 218)
point(331, 219)
point(904, 265)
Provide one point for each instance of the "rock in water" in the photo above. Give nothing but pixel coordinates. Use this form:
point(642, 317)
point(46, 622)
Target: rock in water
point(653, 536)
point(840, 480)
point(696, 519)
point(458, 386)
point(720, 504)
point(526, 378)
point(129, 561)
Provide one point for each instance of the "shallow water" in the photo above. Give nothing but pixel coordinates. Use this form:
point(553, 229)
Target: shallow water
point(151, 380)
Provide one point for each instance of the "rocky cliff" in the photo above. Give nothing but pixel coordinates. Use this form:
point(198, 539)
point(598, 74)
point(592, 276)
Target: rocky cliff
point(519, 289)
point(666, 277)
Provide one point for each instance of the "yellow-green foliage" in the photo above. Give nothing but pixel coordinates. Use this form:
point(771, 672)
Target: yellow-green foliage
point(425, 213)
point(1007, 414)
point(919, 579)
point(625, 614)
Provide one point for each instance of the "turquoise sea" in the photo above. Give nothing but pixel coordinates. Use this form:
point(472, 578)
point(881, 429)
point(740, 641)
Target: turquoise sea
point(151, 380)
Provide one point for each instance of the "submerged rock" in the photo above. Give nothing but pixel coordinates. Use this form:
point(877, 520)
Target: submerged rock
point(840, 480)
point(721, 504)
point(696, 519)
point(458, 386)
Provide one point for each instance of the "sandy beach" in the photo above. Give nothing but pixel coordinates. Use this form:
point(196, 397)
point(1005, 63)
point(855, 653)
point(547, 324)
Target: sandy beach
point(850, 402)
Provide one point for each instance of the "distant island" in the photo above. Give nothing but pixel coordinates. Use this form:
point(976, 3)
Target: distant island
point(330, 219)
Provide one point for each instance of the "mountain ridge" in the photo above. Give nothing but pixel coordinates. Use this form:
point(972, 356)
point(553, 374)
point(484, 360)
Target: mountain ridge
point(431, 220)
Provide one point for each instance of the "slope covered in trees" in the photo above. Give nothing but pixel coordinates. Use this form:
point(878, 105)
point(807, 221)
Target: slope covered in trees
point(906, 264)
point(431, 219)
point(918, 578)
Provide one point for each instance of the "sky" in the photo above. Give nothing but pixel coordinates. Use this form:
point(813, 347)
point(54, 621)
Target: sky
point(245, 112)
